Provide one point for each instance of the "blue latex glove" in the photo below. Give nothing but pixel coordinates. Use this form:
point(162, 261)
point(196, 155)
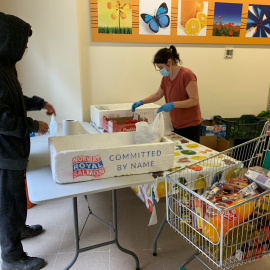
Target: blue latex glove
point(166, 107)
point(136, 105)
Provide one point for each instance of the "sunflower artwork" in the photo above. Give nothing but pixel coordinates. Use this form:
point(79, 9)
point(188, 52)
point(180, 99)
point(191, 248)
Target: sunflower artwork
point(115, 17)
point(258, 21)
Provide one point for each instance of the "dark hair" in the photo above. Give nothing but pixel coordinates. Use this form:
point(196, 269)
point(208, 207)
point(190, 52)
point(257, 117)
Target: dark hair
point(30, 33)
point(163, 55)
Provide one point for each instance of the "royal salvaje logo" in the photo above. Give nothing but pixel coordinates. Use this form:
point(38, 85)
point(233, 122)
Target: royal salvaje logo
point(87, 166)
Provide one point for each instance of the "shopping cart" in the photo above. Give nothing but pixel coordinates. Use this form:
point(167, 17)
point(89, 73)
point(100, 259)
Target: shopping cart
point(226, 236)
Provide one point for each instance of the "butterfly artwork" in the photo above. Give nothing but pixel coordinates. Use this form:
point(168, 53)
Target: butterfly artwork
point(160, 20)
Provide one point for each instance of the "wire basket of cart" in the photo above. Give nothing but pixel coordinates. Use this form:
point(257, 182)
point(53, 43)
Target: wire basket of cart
point(225, 212)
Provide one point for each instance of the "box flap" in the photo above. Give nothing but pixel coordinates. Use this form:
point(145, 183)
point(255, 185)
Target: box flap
point(209, 122)
point(209, 141)
point(222, 144)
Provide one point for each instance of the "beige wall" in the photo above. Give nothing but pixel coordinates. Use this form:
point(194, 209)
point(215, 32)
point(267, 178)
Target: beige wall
point(50, 67)
point(123, 72)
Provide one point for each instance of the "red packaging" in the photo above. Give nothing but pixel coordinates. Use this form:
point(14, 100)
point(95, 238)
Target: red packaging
point(198, 212)
point(241, 182)
point(231, 188)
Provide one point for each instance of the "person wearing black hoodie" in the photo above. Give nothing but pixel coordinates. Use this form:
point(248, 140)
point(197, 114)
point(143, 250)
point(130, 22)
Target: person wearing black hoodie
point(15, 129)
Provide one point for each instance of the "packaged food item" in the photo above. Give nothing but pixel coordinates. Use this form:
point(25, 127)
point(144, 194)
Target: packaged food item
point(261, 211)
point(184, 207)
point(197, 213)
point(226, 198)
point(211, 212)
point(241, 182)
point(249, 190)
point(215, 189)
point(262, 235)
point(230, 188)
point(232, 218)
point(241, 254)
point(261, 170)
point(195, 236)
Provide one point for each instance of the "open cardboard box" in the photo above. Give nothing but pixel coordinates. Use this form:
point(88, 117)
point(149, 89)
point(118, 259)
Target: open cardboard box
point(94, 156)
point(122, 124)
point(212, 142)
point(148, 111)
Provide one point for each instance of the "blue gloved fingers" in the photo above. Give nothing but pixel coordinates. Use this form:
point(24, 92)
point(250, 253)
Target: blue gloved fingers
point(133, 107)
point(159, 110)
point(136, 105)
point(166, 107)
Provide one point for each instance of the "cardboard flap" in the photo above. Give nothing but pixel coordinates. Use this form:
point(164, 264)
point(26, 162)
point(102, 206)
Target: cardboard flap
point(222, 144)
point(209, 141)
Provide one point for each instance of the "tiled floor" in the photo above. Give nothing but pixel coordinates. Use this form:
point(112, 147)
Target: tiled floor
point(56, 244)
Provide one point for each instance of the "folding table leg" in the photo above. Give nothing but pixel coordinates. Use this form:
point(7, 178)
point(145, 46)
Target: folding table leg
point(116, 232)
point(157, 235)
point(76, 233)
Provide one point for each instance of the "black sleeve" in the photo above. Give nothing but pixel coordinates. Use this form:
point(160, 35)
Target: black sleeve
point(34, 103)
point(13, 125)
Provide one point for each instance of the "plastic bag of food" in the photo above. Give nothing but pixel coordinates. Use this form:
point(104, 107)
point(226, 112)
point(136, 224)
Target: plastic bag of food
point(150, 133)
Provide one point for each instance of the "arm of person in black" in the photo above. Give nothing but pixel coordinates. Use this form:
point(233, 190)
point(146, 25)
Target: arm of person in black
point(12, 124)
point(36, 103)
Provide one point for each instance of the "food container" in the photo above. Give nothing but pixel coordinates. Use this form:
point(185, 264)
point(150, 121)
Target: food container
point(96, 156)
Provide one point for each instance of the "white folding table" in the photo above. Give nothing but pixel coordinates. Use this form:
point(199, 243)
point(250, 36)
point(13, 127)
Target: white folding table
point(42, 188)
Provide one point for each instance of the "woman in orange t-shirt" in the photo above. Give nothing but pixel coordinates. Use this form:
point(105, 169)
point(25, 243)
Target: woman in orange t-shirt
point(180, 89)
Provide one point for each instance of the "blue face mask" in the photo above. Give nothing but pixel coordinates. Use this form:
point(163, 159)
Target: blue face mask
point(164, 72)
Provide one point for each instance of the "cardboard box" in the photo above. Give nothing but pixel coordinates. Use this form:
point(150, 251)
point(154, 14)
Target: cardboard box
point(97, 112)
point(212, 142)
point(95, 156)
point(211, 128)
point(122, 124)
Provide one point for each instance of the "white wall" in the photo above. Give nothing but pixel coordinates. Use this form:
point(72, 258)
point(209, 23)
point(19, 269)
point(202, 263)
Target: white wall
point(123, 72)
point(50, 67)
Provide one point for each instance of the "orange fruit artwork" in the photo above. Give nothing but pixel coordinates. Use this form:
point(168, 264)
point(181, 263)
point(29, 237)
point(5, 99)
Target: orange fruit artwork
point(200, 6)
point(188, 10)
point(193, 27)
point(202, 17)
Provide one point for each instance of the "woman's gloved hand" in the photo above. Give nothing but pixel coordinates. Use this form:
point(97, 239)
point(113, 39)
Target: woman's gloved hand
point(136, 105)
point(166, 107)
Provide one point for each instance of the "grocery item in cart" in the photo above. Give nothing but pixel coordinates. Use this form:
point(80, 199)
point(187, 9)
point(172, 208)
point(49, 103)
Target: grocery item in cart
point(215, 189)
point(260, 176)
point(233, 240)
point(232, 218)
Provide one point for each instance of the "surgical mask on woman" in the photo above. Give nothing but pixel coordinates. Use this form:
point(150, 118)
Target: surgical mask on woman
point(164, 72)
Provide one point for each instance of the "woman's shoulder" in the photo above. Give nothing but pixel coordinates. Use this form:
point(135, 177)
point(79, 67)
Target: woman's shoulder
point(186, 72)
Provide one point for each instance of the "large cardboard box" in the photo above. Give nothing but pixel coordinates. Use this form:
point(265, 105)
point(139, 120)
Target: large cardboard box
point(212, 142)
point(97, 112)
point(211, 128)
point(96, 156)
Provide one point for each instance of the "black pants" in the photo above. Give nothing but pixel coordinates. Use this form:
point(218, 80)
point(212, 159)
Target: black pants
point(192, 133)
point(13, 212)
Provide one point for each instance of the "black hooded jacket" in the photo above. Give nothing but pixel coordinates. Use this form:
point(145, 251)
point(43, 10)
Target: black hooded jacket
point(15, 126)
